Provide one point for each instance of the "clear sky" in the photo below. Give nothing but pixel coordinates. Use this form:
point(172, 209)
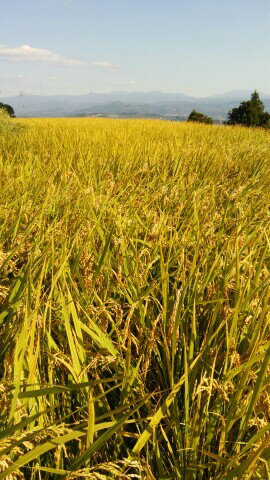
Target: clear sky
point(196, 47)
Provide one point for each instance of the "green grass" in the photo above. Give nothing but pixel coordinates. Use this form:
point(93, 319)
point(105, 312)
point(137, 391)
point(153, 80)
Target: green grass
point(134, 301)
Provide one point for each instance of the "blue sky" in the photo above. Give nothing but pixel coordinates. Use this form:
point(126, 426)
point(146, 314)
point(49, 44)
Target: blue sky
point(197, 47)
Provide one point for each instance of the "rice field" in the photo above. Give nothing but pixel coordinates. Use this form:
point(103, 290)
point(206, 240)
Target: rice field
point(134, 301)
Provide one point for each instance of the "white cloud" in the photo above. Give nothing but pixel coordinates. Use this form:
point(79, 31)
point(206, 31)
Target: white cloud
point(107, 65)
point(32, 54)
point(130, 83)
point(54, 78)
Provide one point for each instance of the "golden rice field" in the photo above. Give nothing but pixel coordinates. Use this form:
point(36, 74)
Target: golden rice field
point(134, 301)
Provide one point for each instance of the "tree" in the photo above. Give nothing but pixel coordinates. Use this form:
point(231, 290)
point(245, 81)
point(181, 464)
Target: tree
point(250, 113)
point(199, 118)
point(9, 110)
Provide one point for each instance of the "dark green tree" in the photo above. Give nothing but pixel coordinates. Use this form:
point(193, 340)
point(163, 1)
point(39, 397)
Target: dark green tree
point(199, 118)
point(250, 113)
point(9, 110)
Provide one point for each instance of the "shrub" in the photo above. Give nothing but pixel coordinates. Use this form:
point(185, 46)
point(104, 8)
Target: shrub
point(199, 118)
point(9, 110)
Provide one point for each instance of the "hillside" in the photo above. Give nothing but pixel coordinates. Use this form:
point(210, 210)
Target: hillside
point(157, 104)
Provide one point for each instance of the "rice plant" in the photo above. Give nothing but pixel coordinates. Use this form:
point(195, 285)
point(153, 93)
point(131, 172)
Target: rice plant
point(134, 301)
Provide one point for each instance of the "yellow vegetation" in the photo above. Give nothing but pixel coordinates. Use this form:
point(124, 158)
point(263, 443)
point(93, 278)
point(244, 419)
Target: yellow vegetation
point(134, 300)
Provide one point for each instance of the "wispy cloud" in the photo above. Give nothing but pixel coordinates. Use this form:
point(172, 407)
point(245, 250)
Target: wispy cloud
point(31, 54)
point(27, 53)
point(130, 83)
point(107, 65)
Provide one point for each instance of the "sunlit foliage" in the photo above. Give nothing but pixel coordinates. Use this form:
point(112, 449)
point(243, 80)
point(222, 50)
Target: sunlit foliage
point(134, 301)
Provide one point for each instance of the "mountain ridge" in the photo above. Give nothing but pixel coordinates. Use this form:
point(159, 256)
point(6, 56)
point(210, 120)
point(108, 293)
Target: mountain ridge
point(137, 103)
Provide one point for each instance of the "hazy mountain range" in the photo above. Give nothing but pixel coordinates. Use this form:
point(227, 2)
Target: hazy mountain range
point(123, 104)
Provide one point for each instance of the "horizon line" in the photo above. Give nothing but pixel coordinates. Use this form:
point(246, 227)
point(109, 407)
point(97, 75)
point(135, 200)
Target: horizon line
point(22, 94)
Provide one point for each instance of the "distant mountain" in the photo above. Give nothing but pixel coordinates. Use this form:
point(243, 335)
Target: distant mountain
point(138, 104)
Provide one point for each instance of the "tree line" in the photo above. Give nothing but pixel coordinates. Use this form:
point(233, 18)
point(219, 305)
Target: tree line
point(250, 113)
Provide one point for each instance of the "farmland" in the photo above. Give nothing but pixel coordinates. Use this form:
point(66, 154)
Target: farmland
point(134, 301)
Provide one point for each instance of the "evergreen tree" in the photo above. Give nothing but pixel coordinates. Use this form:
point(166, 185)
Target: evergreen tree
point(250, 113)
